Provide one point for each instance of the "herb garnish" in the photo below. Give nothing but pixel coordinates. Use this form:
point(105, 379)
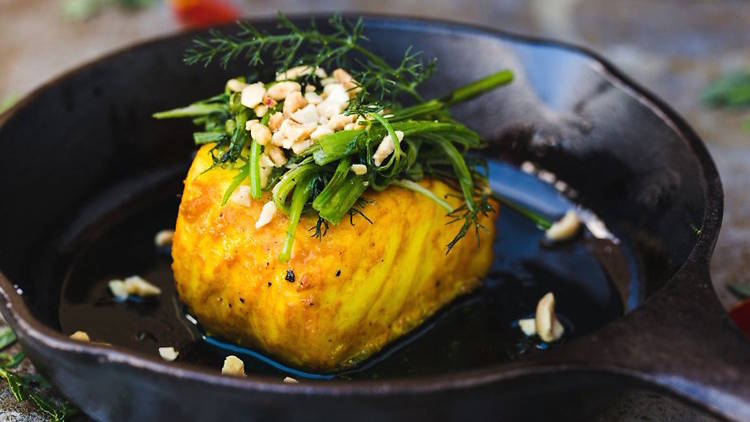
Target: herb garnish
point(24, 387)
point(319, 179)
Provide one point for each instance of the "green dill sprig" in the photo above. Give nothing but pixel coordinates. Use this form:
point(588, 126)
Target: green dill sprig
point(320, 179)
point(381, 83)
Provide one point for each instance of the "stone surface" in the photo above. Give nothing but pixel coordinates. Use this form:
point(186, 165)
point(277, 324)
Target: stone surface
point(672, 47)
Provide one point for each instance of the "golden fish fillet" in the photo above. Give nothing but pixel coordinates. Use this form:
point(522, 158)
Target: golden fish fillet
point(340, 298)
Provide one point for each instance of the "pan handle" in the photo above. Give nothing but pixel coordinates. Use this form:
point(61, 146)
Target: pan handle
point(680, 340)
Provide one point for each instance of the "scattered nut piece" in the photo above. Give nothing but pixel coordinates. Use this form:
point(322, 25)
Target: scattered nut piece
point(252, 95)
point(327, 81)
point(548, 327)
point(260, 110)
point(274, 122)
point(528, 326)
point(293, 102)
point(320, 131)
point(300, 146)
point(335, 102)
point(80, 336)
point(168, 353)
point(261, 133)
point(528, 167)
point(133, 285)
point(351, 126)
point(276, 155)
point(290, 380)
point(309, 88)
point(338, 121)
point(312, 97)
point(241, 196)
point(266, 214)
point(164, 238)
point(280, 90)
point(359, 169)
point(233, 366)
point(297, 72)
point(236, 85)
point(386, 148)
point(305, 115)
point(565, 228)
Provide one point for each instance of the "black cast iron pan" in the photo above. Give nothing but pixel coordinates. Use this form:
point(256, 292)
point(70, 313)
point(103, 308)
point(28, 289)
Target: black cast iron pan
point(630, 158)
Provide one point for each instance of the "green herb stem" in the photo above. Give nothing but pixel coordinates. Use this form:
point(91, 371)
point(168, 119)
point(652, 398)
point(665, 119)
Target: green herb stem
point(256, 190)
point(416, 187)
point(299, 198)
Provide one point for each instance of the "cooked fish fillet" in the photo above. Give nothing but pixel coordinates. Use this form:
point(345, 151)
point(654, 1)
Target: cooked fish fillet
point(340, 298)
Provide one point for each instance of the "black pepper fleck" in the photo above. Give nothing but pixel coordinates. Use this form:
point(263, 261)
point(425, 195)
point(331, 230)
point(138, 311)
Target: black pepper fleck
point(338, 273)
point(242, 300)
point(289, 276)
point(269, 284)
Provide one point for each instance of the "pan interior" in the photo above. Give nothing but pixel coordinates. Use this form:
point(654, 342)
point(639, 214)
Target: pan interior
point(594, 280)
point(86, 198)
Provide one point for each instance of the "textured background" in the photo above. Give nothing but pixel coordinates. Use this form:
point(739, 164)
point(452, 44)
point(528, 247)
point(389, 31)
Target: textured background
point(672, 47)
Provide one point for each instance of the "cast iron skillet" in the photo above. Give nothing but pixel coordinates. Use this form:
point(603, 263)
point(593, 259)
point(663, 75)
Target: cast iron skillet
point(630, 157)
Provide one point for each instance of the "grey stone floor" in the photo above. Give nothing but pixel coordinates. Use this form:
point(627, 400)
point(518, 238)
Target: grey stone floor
point(672, 47)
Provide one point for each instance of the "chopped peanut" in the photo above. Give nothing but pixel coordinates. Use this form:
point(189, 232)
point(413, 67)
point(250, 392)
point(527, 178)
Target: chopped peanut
point(306, 115)
point(293, 102)
point(260, 110)
point(252, 95)
point(80, 336)
point(276, 155)
point(280, 90)
point(236, 85)
point(359, 169)
point(338, 121)
point(260, 133)
point(320, 131)
point(266, 214)
point(548, 327)
point(233, 366)
point(565, 228)
point(274, 122)
point(386, 148)
point(168, 353)
point(164, 238)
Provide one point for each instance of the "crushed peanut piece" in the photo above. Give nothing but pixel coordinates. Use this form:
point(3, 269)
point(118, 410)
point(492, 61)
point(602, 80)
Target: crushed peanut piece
point(320, 131)
point(528, 326)
point(289, 380)
point(299, 71)
point(335, 102)
point(280, 90)
point(274, 122)
point(133, 285)
point(309, 88)
point(236, 85)
point(300, 146)
point(266, 214)
point(327, 81)
point(359, 169)
point(260, 110)
point(338, 121)
point(241, 196)
point(386, 148)
point(261, 133)
point(164, 238)
point(252, 95)
point(168, 353)
point(312, 97)
point(276, 155)
point(565, 228)
point(80, 336)
point(306, 115)
point(233, 366)
point(293, 102)
point(548, 327)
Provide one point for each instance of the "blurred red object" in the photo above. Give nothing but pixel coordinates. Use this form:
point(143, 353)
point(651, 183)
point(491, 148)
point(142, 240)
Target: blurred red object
point(201, 13)
point(740, 314)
